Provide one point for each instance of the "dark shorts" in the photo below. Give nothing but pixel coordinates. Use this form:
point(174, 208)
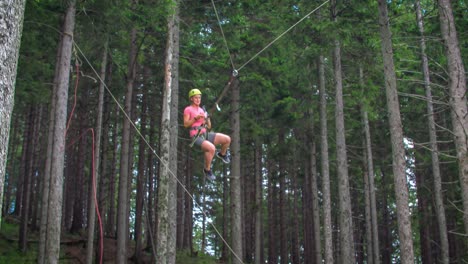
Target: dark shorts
point(202, 137)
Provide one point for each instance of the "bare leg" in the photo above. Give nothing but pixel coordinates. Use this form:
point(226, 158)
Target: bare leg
point(209, 150)
point(224, 141)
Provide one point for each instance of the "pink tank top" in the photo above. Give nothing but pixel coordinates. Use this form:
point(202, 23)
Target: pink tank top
point(192, 112)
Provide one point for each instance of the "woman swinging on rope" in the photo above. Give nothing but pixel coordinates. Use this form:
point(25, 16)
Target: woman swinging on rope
point(196, 118)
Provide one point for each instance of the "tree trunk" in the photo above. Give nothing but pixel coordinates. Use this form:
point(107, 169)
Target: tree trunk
point(283, 225)
point(374, 242)
point(141, 180)
point(173, 128)
point(236, 194)
point(124, 179)
point(168, 170)
point(344, 196)
point(458, 102)
point(11, 28)
point(97, 163)
point(396, 134)
point(27, 176)
point(54, 215)
point(327, 223)
point(48, 162)
point(438, 194)
point(258, 204)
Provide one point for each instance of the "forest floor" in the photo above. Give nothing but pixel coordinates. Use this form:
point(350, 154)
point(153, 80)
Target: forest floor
point(73, 249)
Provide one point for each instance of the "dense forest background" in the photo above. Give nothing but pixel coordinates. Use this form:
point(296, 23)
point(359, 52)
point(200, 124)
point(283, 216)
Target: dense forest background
point(348, 121)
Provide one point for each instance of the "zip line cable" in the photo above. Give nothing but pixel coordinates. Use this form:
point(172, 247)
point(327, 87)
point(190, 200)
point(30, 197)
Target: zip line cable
point(154, 152)
point(235, 71)
point(282, 34)
point(222, 33)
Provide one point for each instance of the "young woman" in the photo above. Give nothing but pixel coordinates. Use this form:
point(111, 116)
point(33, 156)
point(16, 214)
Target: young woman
point(197, 120)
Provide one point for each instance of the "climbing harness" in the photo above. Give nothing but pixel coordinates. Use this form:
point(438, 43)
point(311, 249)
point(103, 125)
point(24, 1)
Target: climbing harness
point(199, 129)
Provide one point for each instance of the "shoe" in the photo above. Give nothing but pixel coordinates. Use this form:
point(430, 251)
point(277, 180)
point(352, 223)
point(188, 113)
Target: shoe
point(209, 174)
point(224, 158)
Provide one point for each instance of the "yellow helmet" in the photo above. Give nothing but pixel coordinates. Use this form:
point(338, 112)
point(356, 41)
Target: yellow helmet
point(193, 92)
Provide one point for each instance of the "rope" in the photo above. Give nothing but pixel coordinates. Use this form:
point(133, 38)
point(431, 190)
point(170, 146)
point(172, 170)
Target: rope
point(222, 33)
point(282, 34)
point(154, 152)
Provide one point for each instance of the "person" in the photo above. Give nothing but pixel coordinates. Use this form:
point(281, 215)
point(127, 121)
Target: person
point(198, 122)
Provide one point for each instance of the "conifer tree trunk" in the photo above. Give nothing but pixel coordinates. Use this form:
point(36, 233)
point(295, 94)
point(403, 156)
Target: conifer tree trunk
point(123, 200)
point(167, 189)
point(327, 221)
point(344, 196)
point(97, 161)
point(396, 134)
point(258, 204)
point(54, 215)
point(11, 27)
point(236, 193)
point(173, 126)
point(438, 194)
point(48, 162)
point(458, 101)
point(111, 226)
point(374, 242)
point(27, 176)
point(283, 225)
point(141, 180)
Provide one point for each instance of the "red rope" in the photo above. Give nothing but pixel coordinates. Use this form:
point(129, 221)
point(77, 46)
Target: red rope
point(93, 165)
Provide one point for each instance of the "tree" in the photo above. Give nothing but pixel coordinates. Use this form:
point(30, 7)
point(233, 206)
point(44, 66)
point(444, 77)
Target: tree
point(54, 207)
point(124, 177)
point(396, 134)
point(328, 242)
point(438, 195)
point(167, 191)
point(236, 194)
point(97, 159)
point(11, 28)
point(346, 216)
point(458, 102)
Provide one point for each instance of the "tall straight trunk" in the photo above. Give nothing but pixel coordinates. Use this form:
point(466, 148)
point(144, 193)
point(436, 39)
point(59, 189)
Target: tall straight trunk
point(272, 214)
point(236, 193)
point(371, 185)
point(294, 212)
point(315, 204)
point(423, 214)
point(283, 225)
point(458, 102)
point(48, 162)
point(173, 127)
point(111, 227)
point(396, 134)
point(124, 177)
point(438, 195)
point(27, 176)
point(167, 188)
point(11, 28)
point(258, 204)
point(54, 215)
point(327, 221)
point(344, 196)
point(97, 162)
point(141, 180)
